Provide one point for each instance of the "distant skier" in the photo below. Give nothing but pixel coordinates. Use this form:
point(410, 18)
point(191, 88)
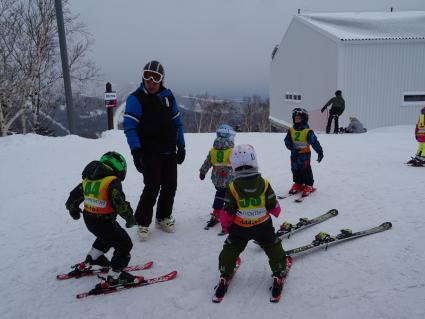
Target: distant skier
point(337, 108)
point(222, 173)
point(419, 159)
point(355, 126)
point(298, 141)
point(101, 192)
point(249, 202)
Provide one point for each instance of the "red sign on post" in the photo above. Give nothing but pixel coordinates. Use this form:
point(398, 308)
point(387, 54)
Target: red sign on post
point(111, 99)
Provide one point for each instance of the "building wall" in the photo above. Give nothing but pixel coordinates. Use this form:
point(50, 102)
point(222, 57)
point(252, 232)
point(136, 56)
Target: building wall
point(375, 76)
point(305, 64)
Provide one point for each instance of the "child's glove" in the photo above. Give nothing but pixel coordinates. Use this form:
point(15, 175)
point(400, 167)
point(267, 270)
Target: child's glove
point(320, 157)
point(201, 176)
point(181, 154)
point(75, 214)
point(276, 210)
point(130, 222)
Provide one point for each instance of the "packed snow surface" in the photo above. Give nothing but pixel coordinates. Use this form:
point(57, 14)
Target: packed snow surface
point(363, 176)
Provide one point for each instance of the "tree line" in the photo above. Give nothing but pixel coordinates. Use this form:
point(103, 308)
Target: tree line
point(30, 65)
point(204, 113)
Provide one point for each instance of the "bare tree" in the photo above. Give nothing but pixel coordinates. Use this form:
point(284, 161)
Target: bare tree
point(255, 114)
point(31, 61)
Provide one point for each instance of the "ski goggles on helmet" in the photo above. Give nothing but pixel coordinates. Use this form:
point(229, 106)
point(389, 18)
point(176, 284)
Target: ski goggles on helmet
point(299, 110)
point(153, 76)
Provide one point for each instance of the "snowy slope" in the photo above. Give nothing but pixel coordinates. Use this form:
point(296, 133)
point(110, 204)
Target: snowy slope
point(363, 176)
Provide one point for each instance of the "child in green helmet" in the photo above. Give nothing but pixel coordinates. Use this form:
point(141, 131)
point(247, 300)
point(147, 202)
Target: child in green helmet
point(103, 197)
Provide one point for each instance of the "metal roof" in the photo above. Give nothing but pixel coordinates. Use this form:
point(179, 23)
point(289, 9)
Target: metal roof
point(360, 26)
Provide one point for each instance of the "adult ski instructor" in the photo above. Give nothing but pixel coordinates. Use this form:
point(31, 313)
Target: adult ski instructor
point(154, 131)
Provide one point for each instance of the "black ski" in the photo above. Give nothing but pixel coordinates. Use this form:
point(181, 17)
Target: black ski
point(287, 229)
point(324, 240)
point(98, 290)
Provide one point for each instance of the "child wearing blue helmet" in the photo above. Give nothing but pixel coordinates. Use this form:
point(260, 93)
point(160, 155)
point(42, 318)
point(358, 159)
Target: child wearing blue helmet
point(222, 174)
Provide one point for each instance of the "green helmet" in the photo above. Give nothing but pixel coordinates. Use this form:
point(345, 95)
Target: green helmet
point(116, 162)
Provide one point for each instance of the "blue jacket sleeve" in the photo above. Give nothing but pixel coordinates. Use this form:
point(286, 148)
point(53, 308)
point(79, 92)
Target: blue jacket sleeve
point(314, 142)
point(177, 118)
point(288, 142)
point(132, 115)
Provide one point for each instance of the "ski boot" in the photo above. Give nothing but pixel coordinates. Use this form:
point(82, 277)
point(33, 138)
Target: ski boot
point(143, 232)
point(277, 286)
point(214, 220)
point(166, 224)
point(101, 264)
point(296, 188)
point(117, 278)
point(221, 288)
point(307, 190)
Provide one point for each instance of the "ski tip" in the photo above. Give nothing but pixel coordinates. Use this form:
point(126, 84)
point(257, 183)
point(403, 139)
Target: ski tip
point(334, 211)
point(387, 225)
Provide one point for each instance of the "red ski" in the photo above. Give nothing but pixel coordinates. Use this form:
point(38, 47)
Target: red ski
point(144, 282)
point(78, 274)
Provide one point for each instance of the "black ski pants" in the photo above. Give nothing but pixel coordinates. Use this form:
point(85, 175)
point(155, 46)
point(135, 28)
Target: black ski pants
point(159, 177)
point(109, 234)
point(328, 126)
point(237, 240)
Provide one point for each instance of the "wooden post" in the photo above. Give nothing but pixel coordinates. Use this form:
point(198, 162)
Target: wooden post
point(109, 109)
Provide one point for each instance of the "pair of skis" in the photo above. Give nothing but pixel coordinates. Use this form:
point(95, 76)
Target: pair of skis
point(103, 291)
point(322, 240)
point(276, 288)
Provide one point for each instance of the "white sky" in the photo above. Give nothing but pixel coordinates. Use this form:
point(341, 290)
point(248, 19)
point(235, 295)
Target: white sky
point(222, 47)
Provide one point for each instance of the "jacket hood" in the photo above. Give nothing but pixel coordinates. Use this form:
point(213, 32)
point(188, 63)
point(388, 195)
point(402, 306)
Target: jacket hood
point(96, 170)
point(222, 143)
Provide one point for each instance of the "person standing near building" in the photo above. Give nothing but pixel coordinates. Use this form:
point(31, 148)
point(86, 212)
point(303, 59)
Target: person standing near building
point(337, 108)
point(419, 159)
point(154, 131)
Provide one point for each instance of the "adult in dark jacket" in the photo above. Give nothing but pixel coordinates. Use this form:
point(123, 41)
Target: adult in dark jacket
point(337, 108)
point(154, 131)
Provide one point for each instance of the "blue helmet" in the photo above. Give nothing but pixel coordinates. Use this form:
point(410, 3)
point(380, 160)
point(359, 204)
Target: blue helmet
point(225, 131)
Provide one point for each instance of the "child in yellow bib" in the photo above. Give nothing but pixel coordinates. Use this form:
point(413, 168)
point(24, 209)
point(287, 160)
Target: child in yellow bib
point(103, 198)
point(222, 173)
point(250, 200)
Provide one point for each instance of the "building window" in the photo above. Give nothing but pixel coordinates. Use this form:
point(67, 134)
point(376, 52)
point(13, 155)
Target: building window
point(413, 98)
point(292, 97)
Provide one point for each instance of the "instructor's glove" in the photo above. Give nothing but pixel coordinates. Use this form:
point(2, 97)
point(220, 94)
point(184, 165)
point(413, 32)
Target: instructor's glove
point(201, 176)
point(320, 157)
point(138, 159)
point(130, 222)
point(181, 154)
point(75, 214)
point(323, 109)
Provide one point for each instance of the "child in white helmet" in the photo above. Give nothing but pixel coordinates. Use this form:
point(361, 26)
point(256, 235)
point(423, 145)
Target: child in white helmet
point(222, 173)
point(249, 202)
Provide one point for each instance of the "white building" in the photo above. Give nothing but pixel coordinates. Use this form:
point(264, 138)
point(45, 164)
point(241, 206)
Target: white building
point(377, 59)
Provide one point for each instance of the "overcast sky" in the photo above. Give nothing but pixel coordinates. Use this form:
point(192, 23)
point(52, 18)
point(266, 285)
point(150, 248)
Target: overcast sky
point(222, 47)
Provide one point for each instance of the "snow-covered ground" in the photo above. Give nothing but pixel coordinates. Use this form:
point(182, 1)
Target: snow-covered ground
point(363, 176)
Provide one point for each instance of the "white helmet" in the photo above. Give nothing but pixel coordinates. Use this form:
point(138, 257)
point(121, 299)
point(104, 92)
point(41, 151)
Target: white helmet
point(226, 131)
point(243, 155)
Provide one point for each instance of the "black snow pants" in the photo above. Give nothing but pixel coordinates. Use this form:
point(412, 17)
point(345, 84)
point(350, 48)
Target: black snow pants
point(109, 234)
point(159, 177)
